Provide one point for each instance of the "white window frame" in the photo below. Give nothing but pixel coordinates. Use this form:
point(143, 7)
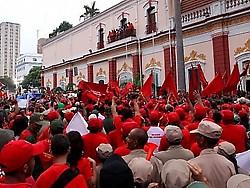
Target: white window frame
point(188, 66)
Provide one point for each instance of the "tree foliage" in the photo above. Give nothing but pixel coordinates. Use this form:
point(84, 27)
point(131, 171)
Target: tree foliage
point(64, 26)
point(90, 11)
point(8, 82)
point(33, 79)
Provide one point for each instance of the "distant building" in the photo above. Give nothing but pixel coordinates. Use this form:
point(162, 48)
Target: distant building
point(9, 48)
point(26, 62)
point(40, 44)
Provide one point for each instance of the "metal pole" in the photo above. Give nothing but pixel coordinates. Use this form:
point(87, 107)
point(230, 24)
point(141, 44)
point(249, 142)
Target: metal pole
point(179, 45)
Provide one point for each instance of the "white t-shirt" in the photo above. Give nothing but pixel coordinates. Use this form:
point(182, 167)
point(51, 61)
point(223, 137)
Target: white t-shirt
point(154, 136)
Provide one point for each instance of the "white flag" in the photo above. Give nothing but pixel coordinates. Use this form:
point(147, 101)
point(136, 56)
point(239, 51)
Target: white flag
point(78, 124)
point(243, 160)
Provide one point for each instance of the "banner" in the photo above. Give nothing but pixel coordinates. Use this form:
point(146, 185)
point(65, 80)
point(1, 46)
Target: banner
point(78, 124)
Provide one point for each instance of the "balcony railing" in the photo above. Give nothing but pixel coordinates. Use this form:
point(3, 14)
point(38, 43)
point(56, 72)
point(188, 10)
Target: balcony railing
point(230, 4)
point(213, 9)
point(116, 35)
point(151, 28)
point(100, 45)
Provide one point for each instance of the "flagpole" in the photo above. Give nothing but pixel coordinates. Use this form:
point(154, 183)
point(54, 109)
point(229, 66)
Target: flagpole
point(179, 46)
point(154, 74)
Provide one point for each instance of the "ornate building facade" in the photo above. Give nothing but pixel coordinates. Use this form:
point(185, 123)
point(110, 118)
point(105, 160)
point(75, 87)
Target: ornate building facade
point(136, 37)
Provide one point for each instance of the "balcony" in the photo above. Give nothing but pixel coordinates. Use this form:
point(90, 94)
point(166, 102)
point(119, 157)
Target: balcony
point(100, 45)
point(116, 35)
point(151, 28)
point(216, 8)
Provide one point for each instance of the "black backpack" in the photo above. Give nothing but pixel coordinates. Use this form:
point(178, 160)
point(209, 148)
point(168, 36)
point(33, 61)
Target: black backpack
point(66, 177)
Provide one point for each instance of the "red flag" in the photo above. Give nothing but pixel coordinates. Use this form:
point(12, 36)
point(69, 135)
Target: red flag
point(88, 95)
point(202, 77)
point(147, 87)
point(215, 86)
point(244, 73)
point(193, 83)
point(89, 86)
point(169, 85)
point(233, 80)
point(129, 87)
point(113, 87)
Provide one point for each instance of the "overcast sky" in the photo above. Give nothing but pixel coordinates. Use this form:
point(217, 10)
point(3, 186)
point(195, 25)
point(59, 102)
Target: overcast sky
point(42, 16)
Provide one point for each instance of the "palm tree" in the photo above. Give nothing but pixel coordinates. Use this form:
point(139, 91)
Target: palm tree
point(90, 11)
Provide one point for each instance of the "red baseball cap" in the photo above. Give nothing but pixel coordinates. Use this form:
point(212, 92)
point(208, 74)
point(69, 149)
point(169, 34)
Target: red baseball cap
point(68, 116)
point(17, 153)
point(52, 115)
point(95, 124)
point(128, 126)
point(173, 118)
point(154, 116)
point(200, 111)
point(227, 116)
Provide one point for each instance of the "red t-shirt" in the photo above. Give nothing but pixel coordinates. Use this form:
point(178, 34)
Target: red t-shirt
point(25, 133)
point(115, 138)
point(122, 150)
point(195, 149)
point(84, 167)
point(190, 127)
point(16, 185)
point(48, 177)
point(235, 134)
point(91, 141)
point(44, 134)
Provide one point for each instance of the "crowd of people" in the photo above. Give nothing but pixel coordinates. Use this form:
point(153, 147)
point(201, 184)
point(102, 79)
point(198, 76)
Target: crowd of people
point(131, 142)
point(125, 31)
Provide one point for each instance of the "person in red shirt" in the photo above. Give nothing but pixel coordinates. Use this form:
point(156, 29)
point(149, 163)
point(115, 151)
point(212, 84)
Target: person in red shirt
point(173, 119)
point(60, 174)
point(86, 166)
point(94, 138)
point(235, 134)
point(17, 161)
point(35, 124)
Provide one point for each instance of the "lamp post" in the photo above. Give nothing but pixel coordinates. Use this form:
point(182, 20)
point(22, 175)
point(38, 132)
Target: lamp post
point(179, 46)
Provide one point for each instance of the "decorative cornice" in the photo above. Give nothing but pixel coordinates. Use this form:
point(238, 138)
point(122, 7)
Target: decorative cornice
point(240, 50)
point(195, 56)
point(80, 76)
point(101, 72)
point(125, 67)
point(63, 79)
point(153, 63)
point(48, 82)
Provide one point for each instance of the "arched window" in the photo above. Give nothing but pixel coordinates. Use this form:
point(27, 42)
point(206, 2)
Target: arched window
point(188, 71)
point(125, 74)
point(242, 57)
point(191, 62)
point(63, 83)
point(125, 77)
point(48, 84)
point(101, 76)
point(154, 67)
point(100, 34)
point(151, 9)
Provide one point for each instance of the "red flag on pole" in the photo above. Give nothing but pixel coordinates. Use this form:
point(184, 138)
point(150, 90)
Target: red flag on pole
point(129, 87)
point(94, 87)
point(147, 87)
point(193, 83)
point(169, 85)
point(233, 80)
point(202, 77)
point(215, 86)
